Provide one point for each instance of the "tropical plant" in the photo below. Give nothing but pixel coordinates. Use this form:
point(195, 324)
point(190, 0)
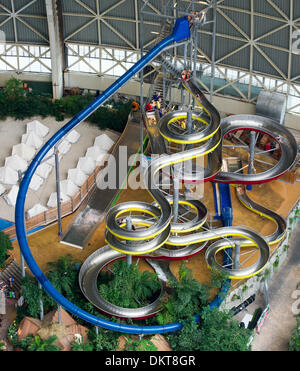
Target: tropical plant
point(187, 297)
point(15, 103)
point(2, 346)
point(142, 344)
point(35, 344)
point(220, 332)
point(12, 333)
point(5, 245)
point(81, 346)
point(63, 275)
point(104, 340)
point(187, 338)
point(32, 294)
point(216, 331)
point(294, 342)
point(140, 287)
point(14, 88)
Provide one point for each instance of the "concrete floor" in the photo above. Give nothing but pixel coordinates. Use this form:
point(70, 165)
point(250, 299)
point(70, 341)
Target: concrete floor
point(276, 331)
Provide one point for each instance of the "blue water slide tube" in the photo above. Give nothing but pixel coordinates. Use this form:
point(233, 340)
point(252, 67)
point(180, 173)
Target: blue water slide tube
point(181, 32)
point(226, 217)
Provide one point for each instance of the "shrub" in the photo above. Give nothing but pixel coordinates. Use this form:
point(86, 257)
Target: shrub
point(140, 287)
point(217, 331)
point(105, 340)
point(187, 298)
point(15, 102)
point(294, 343)
point(5, 245)
point(142, 344)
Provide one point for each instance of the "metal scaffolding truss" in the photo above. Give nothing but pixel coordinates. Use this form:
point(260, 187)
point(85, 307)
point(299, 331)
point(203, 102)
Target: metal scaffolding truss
point(24, 21)
point(24, 46)
point(257, 42)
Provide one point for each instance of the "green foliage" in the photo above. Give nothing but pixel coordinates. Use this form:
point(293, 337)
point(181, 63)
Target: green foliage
point(221, 332)
point(81, 346)
point(5, 245)
point(187, 339)
point(217, 331)
point(2, 346)
point(129, 287)
point(187, 298)
point(33, 295)
point(64, 277)
point(14, 89)
point(12, 334)
point(105, 340)
point(139, 345)
point(217, 278)
point(294, 343)
point(15, 102)
point(35, 344)
point(276, 262)
point(244, 288)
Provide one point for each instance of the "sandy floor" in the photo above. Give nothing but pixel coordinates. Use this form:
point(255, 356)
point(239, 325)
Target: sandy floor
point(11, 132)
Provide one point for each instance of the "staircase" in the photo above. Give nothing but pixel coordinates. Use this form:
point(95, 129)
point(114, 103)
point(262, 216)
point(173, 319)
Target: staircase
point(12, 270)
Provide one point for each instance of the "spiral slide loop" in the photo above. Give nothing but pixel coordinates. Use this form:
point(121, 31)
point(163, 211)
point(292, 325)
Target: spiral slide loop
point(164, 239)
point(159, 232)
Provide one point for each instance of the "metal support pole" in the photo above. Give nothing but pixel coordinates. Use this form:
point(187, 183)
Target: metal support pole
point(237, 255)
point(213, 53)
point(58, 190)
point(141, 87)
point(188, 165)
point(175, 194)
point(23, 265)
point(129, 228)
point(266, 292)
point(251, 156)
point(41, 305)
point(59, 314)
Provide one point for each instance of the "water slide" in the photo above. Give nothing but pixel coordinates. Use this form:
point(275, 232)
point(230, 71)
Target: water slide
point(159, 231)
point(161, 235)
point(93, 211)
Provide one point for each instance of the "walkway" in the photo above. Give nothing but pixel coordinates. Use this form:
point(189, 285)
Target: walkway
point(276, 331)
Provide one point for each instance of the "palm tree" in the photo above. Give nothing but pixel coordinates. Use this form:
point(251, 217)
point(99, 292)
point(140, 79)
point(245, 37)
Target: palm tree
point(40, 345)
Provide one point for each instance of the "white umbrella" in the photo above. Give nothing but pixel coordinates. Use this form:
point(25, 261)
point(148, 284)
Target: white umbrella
point(52, 202)
point(43, 170)
point(23, 150)
point(36, 182)
point(86, 164)
point(32, 139)
point(68, 187)
point(73, 137)
point(38, 128)
point(8, 175)
point(96, 154)
point(11, 197)
point(77, 176)
point(16, 162)
point(36, 210)
point(2, 189)
point(104, 142)
point(64, 147)
point(51, 160)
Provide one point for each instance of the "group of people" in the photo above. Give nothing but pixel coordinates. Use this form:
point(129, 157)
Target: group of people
point(196, 17)
point(186, 75)
point(155, 104)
